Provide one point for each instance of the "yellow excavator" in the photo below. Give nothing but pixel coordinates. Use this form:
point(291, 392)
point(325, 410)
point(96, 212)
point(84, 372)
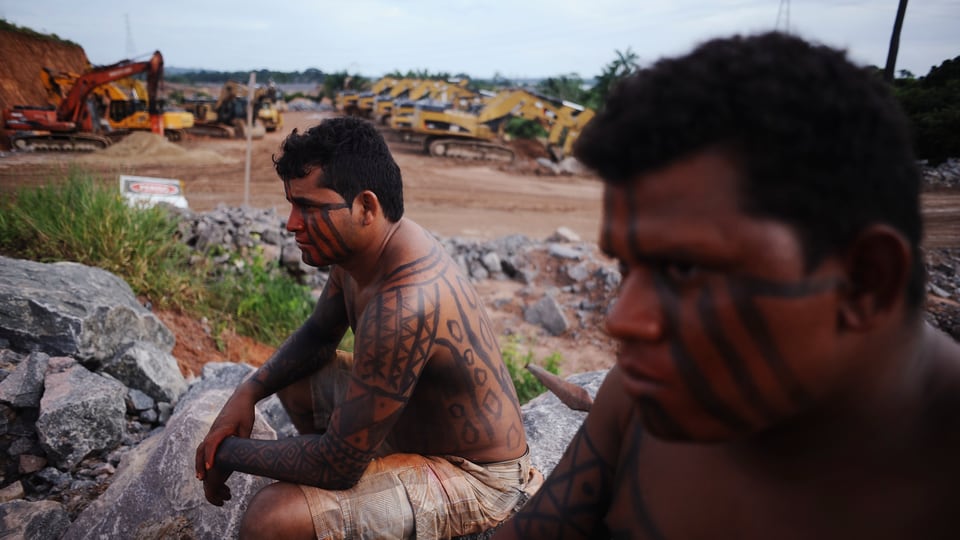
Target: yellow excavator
point(448, 132)
point(401, 116)
point(227, 115)
point(571, 120)
point(367, 99)
point(383, 103)
point(124, 103)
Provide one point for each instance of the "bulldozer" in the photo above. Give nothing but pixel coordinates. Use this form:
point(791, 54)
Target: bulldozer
point(74, 124)
point(478, 133)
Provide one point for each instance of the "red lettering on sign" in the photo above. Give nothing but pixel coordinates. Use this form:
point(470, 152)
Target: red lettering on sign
point(154, 189)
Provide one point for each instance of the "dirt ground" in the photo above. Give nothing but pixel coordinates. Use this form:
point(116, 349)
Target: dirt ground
point(449, 197)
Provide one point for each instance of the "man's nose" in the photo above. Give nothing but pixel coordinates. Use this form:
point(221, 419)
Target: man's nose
point(637, 313)
point(294, 221)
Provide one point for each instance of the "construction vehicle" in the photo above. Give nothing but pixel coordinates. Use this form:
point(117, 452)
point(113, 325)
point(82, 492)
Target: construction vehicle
point(445, 131)
point(571, 119)
point(366, 100)
point(124, 104)
point(346, 102)
point(75, 124)
point(226, 116)
point(401, 117)
point(452, 94)
point(383, 103)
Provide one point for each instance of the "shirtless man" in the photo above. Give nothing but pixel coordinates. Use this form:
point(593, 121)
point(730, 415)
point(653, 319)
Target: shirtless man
point(419, 434)
point(775, 377)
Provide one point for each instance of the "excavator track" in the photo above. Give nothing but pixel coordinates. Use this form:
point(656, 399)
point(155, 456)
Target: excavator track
point(57, 142)
point(213, 130)
point(469, 149)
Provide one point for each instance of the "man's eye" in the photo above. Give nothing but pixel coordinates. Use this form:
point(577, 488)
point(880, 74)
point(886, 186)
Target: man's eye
point(680, 272)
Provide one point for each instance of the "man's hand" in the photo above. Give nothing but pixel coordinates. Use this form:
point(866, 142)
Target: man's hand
point(215, 487)
point(235, 419)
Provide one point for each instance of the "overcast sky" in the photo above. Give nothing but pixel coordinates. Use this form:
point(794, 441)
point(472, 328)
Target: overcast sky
point(515, 38)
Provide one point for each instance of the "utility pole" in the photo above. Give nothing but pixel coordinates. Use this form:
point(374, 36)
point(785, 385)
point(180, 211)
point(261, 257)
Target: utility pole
point(783, 11)
point(246, 175)
point(131, 50)
point(894, 42)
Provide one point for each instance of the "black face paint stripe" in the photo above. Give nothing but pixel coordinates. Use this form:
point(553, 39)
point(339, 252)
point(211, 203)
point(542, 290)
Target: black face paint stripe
point(734, 362)
point(760, 287)
point(698, 384)
point(757, 328)
point(317, 236)
point(325, 214)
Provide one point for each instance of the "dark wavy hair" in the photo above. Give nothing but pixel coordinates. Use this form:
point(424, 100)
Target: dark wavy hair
point(353, 157)
point(822, 143)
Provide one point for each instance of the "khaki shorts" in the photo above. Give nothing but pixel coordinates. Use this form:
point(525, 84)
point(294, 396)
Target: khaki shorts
point(410, 495)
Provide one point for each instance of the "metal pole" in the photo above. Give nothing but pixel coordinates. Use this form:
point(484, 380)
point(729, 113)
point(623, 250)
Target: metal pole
point(249, 129)
point(888, 70)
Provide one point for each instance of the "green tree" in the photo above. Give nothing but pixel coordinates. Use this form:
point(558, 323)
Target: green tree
point(625, 63)
point(932, 103)
point(569, 87)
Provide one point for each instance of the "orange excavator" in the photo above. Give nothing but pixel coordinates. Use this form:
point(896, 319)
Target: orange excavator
point(75, 123)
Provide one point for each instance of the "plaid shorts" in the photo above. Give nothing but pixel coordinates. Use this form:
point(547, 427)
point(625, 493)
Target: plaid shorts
point(411, 495)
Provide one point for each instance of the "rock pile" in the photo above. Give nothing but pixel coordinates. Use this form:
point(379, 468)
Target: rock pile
point(98, 428)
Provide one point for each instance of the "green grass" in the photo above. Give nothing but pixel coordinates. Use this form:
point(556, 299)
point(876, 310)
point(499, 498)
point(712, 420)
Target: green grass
point(83, 218)
point(528, 387)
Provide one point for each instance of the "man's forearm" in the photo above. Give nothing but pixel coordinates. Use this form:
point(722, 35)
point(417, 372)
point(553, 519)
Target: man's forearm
point(296, 359)
point(318, 460)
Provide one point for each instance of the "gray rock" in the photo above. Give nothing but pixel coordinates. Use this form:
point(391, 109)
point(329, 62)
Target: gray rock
point(491, 261)
point(563, 234)
point(80, 412)
point(565, 252)
point(74, 310)
point(143, 366)
point(138, 401)
point(155, 482)
point(38, 520)
point(23, 387)
point(547, 313)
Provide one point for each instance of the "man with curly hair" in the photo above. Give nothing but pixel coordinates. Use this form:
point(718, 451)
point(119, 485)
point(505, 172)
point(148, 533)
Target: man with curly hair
point(775, 377)
point(417, 433)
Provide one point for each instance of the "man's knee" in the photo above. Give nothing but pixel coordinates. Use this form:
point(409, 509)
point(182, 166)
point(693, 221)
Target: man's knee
point(277, 511)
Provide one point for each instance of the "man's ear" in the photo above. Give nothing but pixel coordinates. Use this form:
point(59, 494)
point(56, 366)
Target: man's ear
point(877, 265)
point(369, 206)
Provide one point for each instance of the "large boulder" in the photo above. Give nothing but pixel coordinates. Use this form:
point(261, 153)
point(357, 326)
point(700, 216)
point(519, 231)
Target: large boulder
point(69, 309)
point(550, 425)
point(155, 492)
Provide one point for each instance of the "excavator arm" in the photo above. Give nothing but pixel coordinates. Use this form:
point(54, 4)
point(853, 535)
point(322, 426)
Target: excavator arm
point(73, 107)
point(71, 124)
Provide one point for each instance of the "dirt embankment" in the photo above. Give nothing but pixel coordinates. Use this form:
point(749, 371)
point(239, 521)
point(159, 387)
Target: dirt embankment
point(24, 56)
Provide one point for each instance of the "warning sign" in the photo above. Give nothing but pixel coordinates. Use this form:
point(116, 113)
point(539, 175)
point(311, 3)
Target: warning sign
point(145, 191)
